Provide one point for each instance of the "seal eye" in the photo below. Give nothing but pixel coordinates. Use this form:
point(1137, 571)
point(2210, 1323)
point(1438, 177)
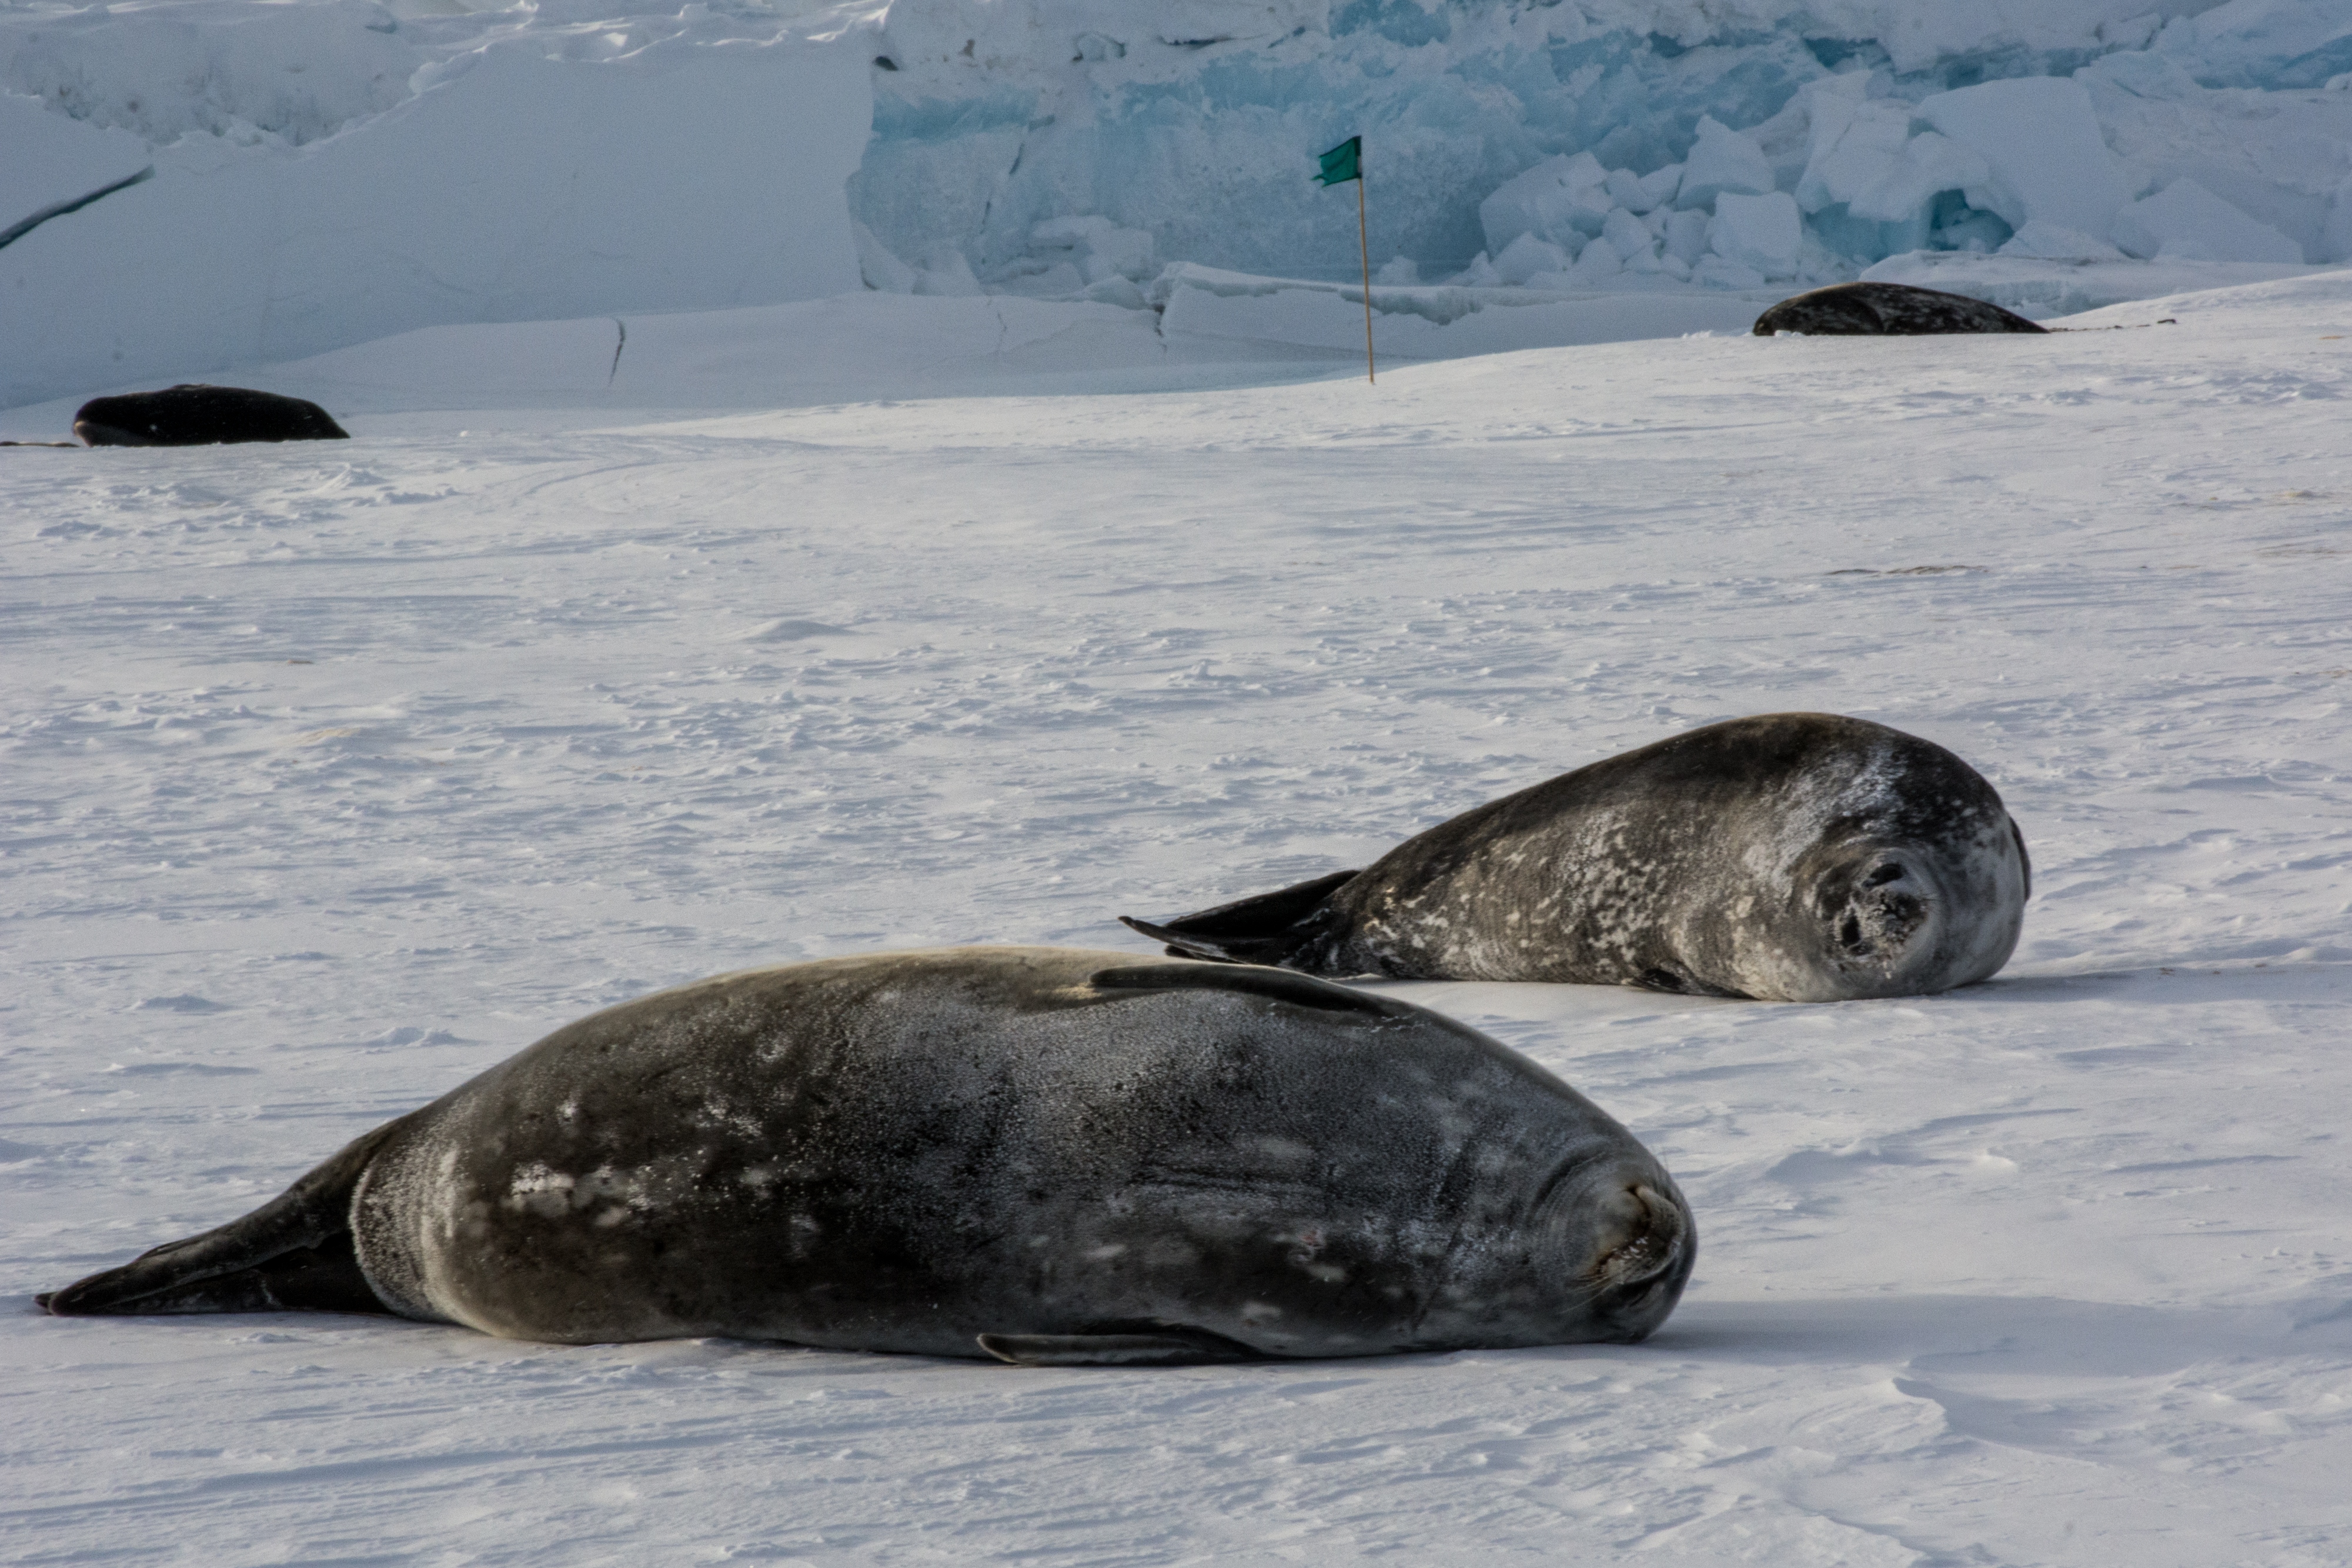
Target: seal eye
point(1882, 876)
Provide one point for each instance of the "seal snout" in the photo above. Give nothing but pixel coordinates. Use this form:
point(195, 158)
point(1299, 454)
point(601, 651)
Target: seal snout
point(1642, 1237)
point(1643, 1247)
point(1876, 918)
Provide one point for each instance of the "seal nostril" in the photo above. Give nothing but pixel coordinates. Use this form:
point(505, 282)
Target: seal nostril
point(1851, 932)
point(1882, 876)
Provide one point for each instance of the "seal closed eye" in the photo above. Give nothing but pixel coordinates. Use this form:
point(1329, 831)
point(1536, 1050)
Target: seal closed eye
point(956, 1153)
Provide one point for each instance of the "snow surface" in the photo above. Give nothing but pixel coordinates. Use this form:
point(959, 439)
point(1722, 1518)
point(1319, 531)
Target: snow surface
point(336, 772)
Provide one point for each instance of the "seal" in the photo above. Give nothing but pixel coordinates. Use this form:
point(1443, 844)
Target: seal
point(1048, 1155)
point(194, 415)
point(1797, 857)
point(1886, 310)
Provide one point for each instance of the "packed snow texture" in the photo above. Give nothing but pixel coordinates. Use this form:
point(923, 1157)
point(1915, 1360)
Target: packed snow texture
point(338, 772)
point(194, 184)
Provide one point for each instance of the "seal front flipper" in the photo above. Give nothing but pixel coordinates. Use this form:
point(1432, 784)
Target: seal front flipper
point(1275, 927)
point(1153, 1347)
point(294, 1253)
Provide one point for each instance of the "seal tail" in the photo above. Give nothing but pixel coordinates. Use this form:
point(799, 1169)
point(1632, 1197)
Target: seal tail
point(1271, 928)
point(295, 1253)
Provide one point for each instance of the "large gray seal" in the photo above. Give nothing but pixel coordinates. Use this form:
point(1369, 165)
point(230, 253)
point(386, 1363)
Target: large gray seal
point(1791, 857)
point(1048, 1155)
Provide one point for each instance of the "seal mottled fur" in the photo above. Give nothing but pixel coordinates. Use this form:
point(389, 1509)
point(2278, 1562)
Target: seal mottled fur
point(1791, 857)
point(1042, 1155)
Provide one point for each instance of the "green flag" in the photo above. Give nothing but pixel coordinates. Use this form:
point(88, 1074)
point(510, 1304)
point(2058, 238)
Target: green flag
point(1343, 162)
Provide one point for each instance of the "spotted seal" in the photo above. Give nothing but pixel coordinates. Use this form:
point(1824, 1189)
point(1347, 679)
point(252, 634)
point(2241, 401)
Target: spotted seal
point(1044, 1155)
point(1888, 310)
point(194, 414)
point(1791, 857)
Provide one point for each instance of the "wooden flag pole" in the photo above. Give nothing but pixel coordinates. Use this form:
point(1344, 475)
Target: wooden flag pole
point(1363, 240)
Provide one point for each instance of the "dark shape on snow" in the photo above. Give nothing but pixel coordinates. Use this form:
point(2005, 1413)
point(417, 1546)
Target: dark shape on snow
point(1792, 857)
point(1886, 310)
point(1032, 1154)
point(194, 415)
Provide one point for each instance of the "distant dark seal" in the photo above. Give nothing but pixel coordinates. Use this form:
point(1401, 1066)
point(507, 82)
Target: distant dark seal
point(1886, 310)
point(1795, 857)
point(194, 415)
point(1042, 1155)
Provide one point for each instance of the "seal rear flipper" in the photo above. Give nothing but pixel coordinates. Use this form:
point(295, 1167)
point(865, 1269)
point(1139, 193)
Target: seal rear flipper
point(1270, 928)
point(1152, 1347)
point(294, 1253)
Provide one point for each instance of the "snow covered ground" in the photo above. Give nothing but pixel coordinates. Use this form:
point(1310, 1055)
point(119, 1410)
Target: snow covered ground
point(334, 773)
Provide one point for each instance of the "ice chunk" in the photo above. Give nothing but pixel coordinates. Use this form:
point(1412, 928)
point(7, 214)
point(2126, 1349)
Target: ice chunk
point(1722, 160)
point(1527, 255)
point(880, 270)
point(1121, 253)
point(1099, 248)
point(1763, 233)
point(1629, 233)
point(2043, 149)
point(1597, 264)
point(2187, 221)
point(1659, 186)
point(1686, 236)
point(1929, 165)
point(2143, 74)
point(1557, 197)
point(460, 205)
point(2050, 242)
point(1897, 208)
point(1479, 273)
point(946, 271)
point(1863, 154)
point(1398, 271)
point(2263, 43)
point(1628, 191)
point(1115, 291)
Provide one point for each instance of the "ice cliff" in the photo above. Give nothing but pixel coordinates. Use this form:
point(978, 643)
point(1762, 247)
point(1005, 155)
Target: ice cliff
point(194, 182)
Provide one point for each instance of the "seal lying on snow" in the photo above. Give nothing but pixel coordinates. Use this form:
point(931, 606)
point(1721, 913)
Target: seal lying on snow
point(1051, 1155)
point(194, 415)
point(1886, 309)
point(1792, 857)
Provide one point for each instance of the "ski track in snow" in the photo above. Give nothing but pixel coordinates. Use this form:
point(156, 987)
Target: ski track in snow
point(334, 774)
